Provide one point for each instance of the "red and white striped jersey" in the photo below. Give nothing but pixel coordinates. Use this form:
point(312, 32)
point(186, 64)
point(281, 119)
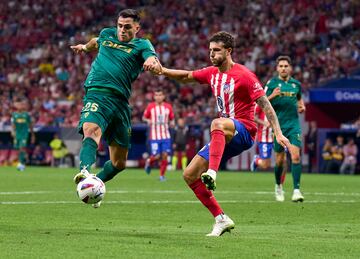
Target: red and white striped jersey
point(264, 134)
point(235, 91)
point(159, 116)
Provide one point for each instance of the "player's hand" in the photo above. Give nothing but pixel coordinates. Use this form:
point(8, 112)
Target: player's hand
point(276, 92)
point(283, 141)
point(301, 108)
point(153, 65)
point(78, 48)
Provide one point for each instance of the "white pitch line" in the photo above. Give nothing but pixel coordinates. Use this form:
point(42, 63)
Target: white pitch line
point(176, 192)
point(161, 202)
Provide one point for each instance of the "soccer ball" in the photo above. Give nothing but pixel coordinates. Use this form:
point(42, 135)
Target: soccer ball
point(91, 190)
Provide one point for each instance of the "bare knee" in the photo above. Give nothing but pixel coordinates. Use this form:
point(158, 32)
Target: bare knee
point(295, 158)
point(217, 124)
point(189, 177)
point(92, 131)
point(119, 164)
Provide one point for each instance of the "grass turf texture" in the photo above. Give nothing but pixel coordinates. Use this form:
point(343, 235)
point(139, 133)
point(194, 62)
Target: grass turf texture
point(141, 217)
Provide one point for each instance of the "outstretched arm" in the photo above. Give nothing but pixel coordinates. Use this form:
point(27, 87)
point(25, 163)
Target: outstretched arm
point(90, 46)
point(183, 76)
point(265, 105)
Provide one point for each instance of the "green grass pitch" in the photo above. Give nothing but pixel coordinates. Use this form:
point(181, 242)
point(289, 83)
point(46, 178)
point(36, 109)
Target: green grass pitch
point(41, 217)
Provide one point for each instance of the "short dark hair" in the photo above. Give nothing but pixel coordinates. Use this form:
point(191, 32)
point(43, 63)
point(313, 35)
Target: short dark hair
point(224, 37)
point(158, 90)
point(130, 13)
point(283, 58)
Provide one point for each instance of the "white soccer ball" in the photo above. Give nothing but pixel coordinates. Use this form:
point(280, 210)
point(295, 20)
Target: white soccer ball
point(91, 190)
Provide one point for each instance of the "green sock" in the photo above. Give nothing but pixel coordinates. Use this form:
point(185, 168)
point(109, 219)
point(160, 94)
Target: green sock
point(278, 172)
point(174, 162)
point(88, 153)
point(296, 174)
point(108, 172)
point(22, 157)
point(184, 161)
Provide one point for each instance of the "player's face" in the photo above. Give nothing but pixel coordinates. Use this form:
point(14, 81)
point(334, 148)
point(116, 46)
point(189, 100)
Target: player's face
point(159, 97)
point(284, 69)
point(127, 29)
point(218, 53)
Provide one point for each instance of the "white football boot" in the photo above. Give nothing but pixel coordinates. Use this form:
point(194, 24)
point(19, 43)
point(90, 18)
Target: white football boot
point(279, 193)
point(84, 173)
point(209, 178)
point(225, 224)
point(297, 196)
point(96, 205)
point(20, 167)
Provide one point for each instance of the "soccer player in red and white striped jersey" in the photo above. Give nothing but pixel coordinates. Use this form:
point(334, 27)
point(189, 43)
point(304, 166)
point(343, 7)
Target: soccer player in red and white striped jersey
point(159, 116)
point(264, 141)
point(236, 90)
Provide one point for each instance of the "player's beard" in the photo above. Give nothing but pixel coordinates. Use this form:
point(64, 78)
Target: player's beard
point(218, 62)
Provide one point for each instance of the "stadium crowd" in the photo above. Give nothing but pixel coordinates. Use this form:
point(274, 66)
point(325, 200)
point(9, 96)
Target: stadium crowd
point(322, 37)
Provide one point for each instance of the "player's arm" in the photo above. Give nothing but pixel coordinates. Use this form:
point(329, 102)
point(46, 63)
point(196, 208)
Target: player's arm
point(301, 105)
point(183, 76)
point(274, 94)
point(89, 46)
point(153, 65)
point(265, 105)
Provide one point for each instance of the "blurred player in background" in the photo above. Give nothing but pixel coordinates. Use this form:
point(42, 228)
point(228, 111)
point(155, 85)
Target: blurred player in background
point(236, 90)
point(159, 116)
point(264, 141)
point(284, 93)
point(106, 112)
point(181, 136)
point(21, 129)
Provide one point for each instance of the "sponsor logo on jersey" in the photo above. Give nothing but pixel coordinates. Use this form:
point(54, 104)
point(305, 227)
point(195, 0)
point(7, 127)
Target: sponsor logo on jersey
point(108, 43)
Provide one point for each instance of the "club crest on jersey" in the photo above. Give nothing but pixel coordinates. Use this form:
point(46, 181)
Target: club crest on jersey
point(226, 88)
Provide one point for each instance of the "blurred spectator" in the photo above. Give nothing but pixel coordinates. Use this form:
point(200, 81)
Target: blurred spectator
point(38, 157)
point(337, 155)
point(350, 153)
point(311, 140)
point(326, 156)
point(180, 145)
point(59, 151)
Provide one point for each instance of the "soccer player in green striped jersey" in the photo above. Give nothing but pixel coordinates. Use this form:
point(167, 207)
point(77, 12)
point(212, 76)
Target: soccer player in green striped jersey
point(106, 113)
point(284, 93)
point(21, 129)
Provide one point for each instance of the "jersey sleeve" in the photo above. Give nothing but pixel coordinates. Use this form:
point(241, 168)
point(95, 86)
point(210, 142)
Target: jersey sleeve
point(254, 87)
point(269, 88)
point(202, 75)
point(147, 112)
point(299, 93)
point(148, 50)
point(171, 114)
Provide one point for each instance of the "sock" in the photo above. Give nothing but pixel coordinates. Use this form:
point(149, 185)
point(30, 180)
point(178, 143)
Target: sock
point(296, 174)
point(174, 161)
point(108, 172)
point(88, 153)
point(22, 157)
point(278, 172)
point(217, 147)
point(163, 165)
point(206, 197)
point(184, 162)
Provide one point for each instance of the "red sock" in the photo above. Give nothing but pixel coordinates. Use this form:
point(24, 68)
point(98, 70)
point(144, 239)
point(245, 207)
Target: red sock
point(163, 166)
point(206, 197)
point(152, 159)
point(217, 146)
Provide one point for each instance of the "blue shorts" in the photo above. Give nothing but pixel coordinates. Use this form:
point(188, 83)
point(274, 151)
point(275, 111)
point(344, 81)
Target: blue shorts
point(239, 143)
point(159, 146)
point(265, 149)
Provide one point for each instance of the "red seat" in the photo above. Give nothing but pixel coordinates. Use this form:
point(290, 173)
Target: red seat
point(13, 156)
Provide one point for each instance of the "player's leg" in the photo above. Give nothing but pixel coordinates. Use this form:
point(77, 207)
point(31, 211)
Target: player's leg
point(296, 173)
point(163, 165)
point(222, 131)
point(116, 164)
point(191, 175)
point(154, 155)
point(278, 170)
point(263, 160)
point(184, 159)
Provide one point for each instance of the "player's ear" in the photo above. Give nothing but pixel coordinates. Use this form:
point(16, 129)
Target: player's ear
point(229, 51)
point(137, 27)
